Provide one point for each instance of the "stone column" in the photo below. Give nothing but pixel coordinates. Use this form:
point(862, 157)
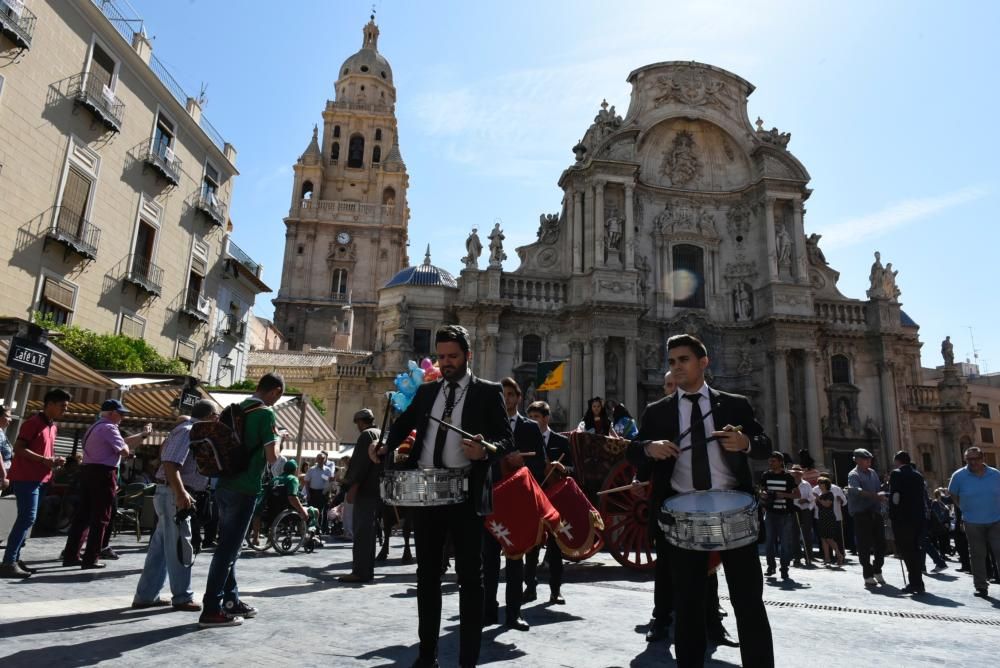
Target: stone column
point(628, 234)
point(576, 383)
point(801, 264)
point(781, 405)
point(588, 226)
point(588, 376)
point(631, 385)
point(598, 361)
point(772, 251)
point(599, 224)
point(490, 342)
point(577, 232)
point(890, 437)
point(813, 431)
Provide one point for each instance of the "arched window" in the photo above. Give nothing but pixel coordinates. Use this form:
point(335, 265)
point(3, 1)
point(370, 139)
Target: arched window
point(307, 190)
point(378, 134)
point(388, 197)
point(376, 154)
point(840, 369)
point(531, 348)
point(356, 152)
point(339, 285)
point(335, 152)
point(689, 276)
point(336, 131)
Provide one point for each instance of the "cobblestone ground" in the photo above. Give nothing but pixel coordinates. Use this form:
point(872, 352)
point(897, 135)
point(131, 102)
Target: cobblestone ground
point(67, 617)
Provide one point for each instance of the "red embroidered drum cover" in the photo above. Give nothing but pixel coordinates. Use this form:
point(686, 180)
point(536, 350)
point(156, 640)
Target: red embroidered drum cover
point(521, 514)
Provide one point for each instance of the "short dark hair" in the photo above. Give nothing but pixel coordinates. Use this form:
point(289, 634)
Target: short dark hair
point(692, 342)
point(202, 409)
point(512, 384)
point(56, 395)
point(823, 480)
point(455, 333)
point(271, 380)
point(902, 456)
point(538, 407)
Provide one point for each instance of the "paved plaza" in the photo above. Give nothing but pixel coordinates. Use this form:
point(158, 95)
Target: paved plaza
point(67, 617)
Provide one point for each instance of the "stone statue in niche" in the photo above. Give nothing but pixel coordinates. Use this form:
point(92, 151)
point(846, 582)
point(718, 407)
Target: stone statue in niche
point(497, 256)
point(948, 351)
point(642, 266)
point(613, 232)
point(844, 415)
point(548, 228)
point(402, 313)
point(783, 246)
point(743, 302)
point(745, 365)
point(680, 162)
point(474, 248)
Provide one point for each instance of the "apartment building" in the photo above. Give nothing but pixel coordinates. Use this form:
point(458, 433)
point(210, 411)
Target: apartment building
point(114, 188)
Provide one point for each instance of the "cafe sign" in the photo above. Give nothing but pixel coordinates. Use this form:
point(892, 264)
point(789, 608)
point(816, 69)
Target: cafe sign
point(28, 356)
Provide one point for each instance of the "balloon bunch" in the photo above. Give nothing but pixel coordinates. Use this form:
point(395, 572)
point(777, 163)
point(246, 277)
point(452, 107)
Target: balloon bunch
point(408, 382)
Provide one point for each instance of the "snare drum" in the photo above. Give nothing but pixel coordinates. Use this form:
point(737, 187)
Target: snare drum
point(424, 487)
point(709, 521)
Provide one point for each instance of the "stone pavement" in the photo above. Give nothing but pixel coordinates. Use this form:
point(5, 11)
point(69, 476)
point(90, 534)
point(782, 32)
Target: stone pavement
point(67, 617)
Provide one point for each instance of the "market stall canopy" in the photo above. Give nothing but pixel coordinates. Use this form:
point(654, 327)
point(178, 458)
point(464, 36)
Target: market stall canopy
point(64, 371)
point(317, 433)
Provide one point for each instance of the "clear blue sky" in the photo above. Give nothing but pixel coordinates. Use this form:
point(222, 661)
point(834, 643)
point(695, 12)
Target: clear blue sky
point(891, 106)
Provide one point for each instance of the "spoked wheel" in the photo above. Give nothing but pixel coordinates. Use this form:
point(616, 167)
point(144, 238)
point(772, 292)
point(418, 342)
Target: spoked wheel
point(263, 540)
point(288, 532)
point(626, 520)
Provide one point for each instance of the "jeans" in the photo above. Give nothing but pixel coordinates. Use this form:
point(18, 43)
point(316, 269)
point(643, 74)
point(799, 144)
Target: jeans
point(27, 493)
point(318, 500)
point(780, 526)
point(928, 548)
point(235, 513)
point(161, 557)
point(979, 535)
point(869, 536)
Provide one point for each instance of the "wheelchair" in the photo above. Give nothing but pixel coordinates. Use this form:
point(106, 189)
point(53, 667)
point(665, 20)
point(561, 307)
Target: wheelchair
point(280, 525)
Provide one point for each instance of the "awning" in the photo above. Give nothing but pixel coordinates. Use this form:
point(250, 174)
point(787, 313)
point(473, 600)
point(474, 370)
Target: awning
point(318, 434)
point(64, 371)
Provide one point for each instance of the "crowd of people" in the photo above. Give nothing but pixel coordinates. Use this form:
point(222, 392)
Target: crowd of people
point(695, 439)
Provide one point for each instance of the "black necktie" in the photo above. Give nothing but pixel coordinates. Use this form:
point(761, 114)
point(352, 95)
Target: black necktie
point(442, 435)
point(701, 474)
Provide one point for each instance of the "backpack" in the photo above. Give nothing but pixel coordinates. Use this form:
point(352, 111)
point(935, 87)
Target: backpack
point(217, 446)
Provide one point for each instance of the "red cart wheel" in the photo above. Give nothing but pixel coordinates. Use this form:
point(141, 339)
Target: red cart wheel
point(626, 520)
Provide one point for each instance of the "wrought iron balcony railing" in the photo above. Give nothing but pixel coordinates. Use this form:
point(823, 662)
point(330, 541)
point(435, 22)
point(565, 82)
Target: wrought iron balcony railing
point(196, 305)
point(163, 160)
point(70, 228)
point(144, 274)
point(213, 208)
point(93, 93)
point(17, 22)
point(232, 326)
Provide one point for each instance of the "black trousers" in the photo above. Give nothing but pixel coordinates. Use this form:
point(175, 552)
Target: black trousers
point(514, 575)
point(363, 545)
point(663, 591)
point(318, 499)
point(869, 535)
point(432, 527)
point(553, 557)
point(907, 536)
point(689, 572)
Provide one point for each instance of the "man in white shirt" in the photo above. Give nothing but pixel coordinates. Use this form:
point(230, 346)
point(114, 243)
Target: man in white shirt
point(317, 482)
point(805, 505)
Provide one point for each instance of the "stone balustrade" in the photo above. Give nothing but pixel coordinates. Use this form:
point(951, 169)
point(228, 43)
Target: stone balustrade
point(533, 293)
point(924, 396)
point(311, 209)
point(841, 313)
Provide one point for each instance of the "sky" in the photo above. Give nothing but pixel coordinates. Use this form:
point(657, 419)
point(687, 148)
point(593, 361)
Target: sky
point(890, 105)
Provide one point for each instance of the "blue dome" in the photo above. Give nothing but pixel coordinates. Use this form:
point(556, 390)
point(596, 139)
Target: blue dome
point(423, 274)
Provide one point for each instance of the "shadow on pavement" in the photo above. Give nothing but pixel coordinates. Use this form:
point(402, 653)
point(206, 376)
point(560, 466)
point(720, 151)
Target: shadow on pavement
point(932, 599)
point(395, 655)
point(76, 575)
point(94, 651)
point(75, 622)
point(654, 654)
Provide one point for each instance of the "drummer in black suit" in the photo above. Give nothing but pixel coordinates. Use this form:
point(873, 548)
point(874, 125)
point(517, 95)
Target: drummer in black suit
point(476, 406)
point(675, 435)
point(527, 438)
point(557, 456)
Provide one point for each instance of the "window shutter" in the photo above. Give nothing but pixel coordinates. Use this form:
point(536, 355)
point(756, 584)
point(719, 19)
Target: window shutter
point(58, 293)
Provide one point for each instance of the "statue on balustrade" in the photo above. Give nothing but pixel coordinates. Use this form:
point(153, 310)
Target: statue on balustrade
point(948, 351)
point(496, 246)
point(474, 248)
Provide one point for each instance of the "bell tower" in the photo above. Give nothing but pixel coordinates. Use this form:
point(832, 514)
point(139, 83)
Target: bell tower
point(346, 230)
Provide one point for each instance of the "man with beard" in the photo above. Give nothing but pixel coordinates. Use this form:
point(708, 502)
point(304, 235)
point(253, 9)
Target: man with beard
point(475, 406)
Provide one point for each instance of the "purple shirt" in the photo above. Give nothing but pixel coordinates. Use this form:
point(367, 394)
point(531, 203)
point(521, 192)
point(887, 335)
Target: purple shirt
point(103, 444)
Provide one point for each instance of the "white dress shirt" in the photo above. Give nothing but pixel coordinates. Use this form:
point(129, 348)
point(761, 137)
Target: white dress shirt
point(805, 500)
point(722, 477)
point(453, 456)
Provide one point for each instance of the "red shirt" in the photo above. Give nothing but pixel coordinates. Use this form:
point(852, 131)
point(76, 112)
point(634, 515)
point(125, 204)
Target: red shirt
point(39, 435)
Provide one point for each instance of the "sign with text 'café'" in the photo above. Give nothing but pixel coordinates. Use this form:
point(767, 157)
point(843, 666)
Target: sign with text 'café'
point(29, 357)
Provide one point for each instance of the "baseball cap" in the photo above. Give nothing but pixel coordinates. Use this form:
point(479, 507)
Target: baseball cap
point(364, 414)
point(114, 405)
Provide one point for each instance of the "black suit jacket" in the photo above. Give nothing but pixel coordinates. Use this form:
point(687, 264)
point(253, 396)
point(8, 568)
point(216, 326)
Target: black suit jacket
point(483, 412)
point(909, 506)
point(661, 420)
point(528, 438)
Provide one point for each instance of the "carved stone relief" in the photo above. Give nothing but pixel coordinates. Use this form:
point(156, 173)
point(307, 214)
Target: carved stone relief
point(743, 302)
point(685, 216)
point(738, 223)
point(690, 88)
point(548, 228)
point(680, 161)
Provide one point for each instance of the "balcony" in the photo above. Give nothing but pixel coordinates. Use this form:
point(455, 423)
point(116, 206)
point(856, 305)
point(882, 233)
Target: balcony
point(17, 22)
point(234, 327)
point(841, 314)
point(310, 209)
point(145, 275)
point(163, 160)
point(240, 256)
point(91, 92)
point(213, 209)
point(73, 231)
point(923, 396)
point(534, 294)
point(196, 306)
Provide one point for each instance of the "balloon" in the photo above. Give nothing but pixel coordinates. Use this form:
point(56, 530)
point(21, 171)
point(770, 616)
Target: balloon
point(431, 372)
point(407, 384)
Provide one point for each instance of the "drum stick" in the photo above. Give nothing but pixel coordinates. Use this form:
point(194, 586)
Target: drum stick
point(623, 488)
point(737, 428)
point(546, 478)
point(488, 446)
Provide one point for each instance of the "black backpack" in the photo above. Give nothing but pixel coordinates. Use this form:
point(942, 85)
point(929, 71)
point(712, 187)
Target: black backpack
point(218, 447)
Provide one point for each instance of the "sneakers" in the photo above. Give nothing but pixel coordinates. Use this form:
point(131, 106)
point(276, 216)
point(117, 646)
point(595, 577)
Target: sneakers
point(13, 571)
point(870, 582)
point(240, 609)
point(879, 578)
point(218, 618)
